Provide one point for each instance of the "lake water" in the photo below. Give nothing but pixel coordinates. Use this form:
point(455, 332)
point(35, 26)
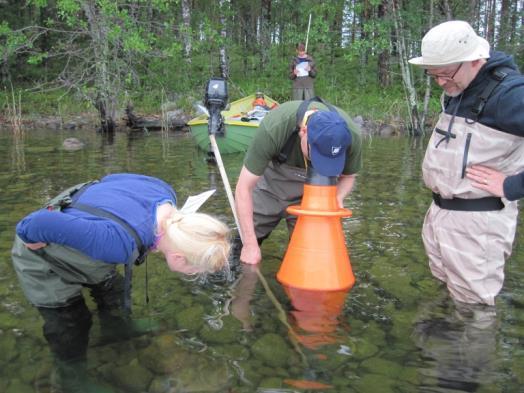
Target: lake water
point(396, 330)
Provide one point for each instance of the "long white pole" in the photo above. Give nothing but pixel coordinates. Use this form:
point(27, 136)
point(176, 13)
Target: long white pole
point(307, 35)
point(225, 180)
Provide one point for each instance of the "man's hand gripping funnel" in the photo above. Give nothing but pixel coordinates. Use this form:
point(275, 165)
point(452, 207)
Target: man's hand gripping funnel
point(317, 257)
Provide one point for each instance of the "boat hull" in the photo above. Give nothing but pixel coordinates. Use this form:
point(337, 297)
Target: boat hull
point(237, 135)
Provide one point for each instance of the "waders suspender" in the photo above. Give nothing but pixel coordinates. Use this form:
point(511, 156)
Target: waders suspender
point(70, 201)
point(496, 76)
point(302, 109)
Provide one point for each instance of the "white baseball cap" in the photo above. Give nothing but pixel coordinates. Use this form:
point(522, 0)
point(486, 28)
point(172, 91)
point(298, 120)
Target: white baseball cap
point(451, 42)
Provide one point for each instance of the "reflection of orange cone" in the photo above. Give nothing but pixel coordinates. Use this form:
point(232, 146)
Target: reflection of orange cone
point(316, 314)
point(317, 258)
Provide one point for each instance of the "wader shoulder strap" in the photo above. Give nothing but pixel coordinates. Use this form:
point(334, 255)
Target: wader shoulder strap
point(70, 197)
point(95, 211)
point(142, 252)
point(496, 76)
point(302, 109)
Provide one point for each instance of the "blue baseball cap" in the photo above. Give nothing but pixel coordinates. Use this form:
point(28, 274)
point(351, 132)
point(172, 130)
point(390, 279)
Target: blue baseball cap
point(329, 137)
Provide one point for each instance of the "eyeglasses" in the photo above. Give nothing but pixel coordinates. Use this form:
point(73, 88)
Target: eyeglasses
point(444, 77)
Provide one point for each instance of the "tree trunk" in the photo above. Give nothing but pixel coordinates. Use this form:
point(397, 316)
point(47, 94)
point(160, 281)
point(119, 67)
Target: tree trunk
point(104, 100)
point(336, 36)
point(407, 78)
point(265, 33)
point(364, 51)
point(224, 65)
point(447, 10)
point(491, 7)
point(186, 34)
point(383, 57)
point(504, 36)
point(427, 93)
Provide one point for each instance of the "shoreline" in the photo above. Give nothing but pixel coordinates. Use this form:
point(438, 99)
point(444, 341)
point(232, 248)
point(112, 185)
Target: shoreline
point(176, 121)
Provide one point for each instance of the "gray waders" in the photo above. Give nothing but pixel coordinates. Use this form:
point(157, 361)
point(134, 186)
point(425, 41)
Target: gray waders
point(280, 186)
point(52, 279)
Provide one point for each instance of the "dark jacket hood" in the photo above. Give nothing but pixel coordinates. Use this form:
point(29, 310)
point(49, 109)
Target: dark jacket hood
point(503, 110)
point(497, 59)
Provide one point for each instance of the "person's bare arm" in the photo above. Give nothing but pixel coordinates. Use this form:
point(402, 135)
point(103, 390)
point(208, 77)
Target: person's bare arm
point(344, 187)
point(244, 204)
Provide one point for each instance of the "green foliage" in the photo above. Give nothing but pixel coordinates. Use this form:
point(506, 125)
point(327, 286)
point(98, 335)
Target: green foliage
point(37, 58)
point(11, 41)
point(68, 10)
point(37, 3)
point(139, 46)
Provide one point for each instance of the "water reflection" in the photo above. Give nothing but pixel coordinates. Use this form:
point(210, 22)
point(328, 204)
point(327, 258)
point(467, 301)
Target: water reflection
point(458, 344)
point(316, 316)
point(18, 153)
point(313, 318)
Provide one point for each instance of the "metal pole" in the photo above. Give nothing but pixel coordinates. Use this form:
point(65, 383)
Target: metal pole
point(307, 35)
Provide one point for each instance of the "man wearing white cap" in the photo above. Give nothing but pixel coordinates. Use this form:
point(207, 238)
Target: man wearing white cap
point(468, 233)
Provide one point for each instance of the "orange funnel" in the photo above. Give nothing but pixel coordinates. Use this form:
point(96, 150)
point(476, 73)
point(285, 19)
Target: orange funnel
point(317, 257)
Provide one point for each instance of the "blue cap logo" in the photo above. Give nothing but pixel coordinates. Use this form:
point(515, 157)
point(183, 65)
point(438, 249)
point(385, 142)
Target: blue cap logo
point(329, 138)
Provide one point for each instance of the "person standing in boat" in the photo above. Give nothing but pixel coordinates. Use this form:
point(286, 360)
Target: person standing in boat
point(302, 71)
point(468, 233)
point(79, 237)
point(292, 137)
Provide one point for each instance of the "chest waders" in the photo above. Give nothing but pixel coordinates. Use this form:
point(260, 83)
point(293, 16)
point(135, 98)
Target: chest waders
point(69, 198)
point(52, 279)
point(467, 232)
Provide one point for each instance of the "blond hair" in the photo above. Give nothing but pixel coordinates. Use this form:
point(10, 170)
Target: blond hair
point(202, 239)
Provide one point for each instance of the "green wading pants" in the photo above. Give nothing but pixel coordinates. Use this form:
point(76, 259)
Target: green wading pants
point(300, 94)
point(280, 186)
point(52, 279)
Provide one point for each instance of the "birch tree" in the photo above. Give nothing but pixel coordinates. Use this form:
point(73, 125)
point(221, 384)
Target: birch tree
point(224, 63)
point(405, 69)
point(427, 93)
point(186, 33)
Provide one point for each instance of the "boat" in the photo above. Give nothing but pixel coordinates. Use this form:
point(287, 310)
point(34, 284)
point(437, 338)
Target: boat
point(241, 120)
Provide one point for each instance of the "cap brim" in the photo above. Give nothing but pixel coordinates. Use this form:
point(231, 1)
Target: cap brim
point(328, 166)
point(481, 52)
point(416, 60)
point(419, 61)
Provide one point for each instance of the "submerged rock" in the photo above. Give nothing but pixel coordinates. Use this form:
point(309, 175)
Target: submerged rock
point(191, 319)
point(72, 144)
point(223, 333)
point(272, 350)
point(177, 368)
point(132, 377)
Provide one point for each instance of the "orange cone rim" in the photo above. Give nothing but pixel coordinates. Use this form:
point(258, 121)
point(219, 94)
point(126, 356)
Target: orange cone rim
point(298, 210)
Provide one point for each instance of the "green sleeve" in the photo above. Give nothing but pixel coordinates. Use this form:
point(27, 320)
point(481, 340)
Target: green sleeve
point(354, 156)
point(260, 152)
point(271, 137)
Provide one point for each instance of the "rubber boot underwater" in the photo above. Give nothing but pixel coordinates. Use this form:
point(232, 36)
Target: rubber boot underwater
point(116, 323)
point(66, 330)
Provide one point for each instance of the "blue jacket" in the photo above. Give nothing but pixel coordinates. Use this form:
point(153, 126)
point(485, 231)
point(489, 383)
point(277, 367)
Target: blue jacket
point(133, 198)
point(504, 110)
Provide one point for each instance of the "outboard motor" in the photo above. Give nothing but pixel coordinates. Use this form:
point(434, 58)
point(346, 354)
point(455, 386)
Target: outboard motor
point(215, 102)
